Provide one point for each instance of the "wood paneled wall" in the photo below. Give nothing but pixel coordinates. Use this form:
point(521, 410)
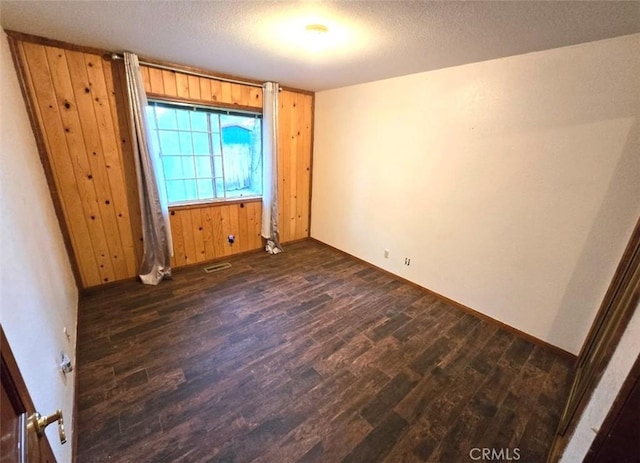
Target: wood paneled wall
point(76, 103)
point(73, 100)
point(179, 86)
point(295, 121)
point(200, 232)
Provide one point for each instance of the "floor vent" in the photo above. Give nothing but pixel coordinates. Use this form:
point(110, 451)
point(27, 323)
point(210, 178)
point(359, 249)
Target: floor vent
point(217, 267)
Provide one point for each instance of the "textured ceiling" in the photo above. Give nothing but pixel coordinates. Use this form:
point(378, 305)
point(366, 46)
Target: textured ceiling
point(367, 40)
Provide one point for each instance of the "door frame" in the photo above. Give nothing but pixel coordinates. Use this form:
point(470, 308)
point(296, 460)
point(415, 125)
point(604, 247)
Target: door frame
point(17, 389)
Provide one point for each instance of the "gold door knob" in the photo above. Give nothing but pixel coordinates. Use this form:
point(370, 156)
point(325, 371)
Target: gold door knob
point(38, 423)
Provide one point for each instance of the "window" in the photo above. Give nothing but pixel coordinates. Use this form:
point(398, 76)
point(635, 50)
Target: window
point(207, 154)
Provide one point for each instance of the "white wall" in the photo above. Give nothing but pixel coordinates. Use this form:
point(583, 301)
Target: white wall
point(512, 184)
point(38, 295)
point(606, 392)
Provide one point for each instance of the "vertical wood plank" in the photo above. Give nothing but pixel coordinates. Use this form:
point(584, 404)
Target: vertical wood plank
point(207, 225)
point(234, 228)
point(179, 253)
point(172, 260)
point(218, 231)
point(282, 177)
point(194, 87)
point(305, 174)
point(225, 95)
point(284, 162)
point(249, 96)
point(256, 97)
point(216, 90)
point(169, 82)
point(187, 236)
point(146, 80)
point(182, 84)
point(243, 228)
point(205, 89)
point(226, 229)
point(254, 215)
point(198, 234)
point(156, 80)
point(293, 162)
point(236, 93)
point(301, 154)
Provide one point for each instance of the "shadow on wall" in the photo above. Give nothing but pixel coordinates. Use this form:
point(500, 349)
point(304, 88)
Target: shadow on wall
point(605, 242)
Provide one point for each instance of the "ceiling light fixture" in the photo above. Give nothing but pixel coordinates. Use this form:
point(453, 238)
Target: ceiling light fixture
point(316, 38)
point(316, 30)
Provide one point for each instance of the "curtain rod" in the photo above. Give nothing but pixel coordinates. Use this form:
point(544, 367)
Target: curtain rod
point(197, 74)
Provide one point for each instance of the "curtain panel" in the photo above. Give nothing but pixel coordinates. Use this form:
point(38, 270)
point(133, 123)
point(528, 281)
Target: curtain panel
point(270, 231)
point(156, 231)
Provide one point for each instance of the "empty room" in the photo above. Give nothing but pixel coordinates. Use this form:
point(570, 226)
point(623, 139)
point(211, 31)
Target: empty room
point(320, 231)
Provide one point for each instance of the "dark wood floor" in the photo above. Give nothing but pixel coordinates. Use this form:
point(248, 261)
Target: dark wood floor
point(307, 356)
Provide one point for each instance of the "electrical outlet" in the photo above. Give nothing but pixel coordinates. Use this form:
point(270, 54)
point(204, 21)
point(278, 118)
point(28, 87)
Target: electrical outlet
point(407, 261)
point(65, 363)
point(386, 253)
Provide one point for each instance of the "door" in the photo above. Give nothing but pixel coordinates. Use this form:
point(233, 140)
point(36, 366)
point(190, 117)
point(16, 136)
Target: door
point(617, 439)
point(22, 439)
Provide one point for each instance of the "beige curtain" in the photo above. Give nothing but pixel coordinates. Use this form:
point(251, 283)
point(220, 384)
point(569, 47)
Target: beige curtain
point(156, 232)
point(269, 231)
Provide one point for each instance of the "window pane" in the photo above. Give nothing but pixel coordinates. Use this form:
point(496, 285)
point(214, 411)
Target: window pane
point(215, 142)
point(172, 166)
point(183, 119)
point(190, 189)
point(242, 154)
point(219, 188)
point(236, 166)
point(256, 158)
point(175, 191)
point(227, 120)
point(188, 169)
point(169, 143)
point(215, 123)
point(166, 118)
point(151, 117)
point(205, 189)
point(217, 166)
point(203, 167)
point(185, 143)
point(206, 155)
point(235, 193)
point(199, 121)
point(201, 144)
point(153, 138)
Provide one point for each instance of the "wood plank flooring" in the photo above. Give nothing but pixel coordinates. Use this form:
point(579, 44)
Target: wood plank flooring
point(308, 356)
